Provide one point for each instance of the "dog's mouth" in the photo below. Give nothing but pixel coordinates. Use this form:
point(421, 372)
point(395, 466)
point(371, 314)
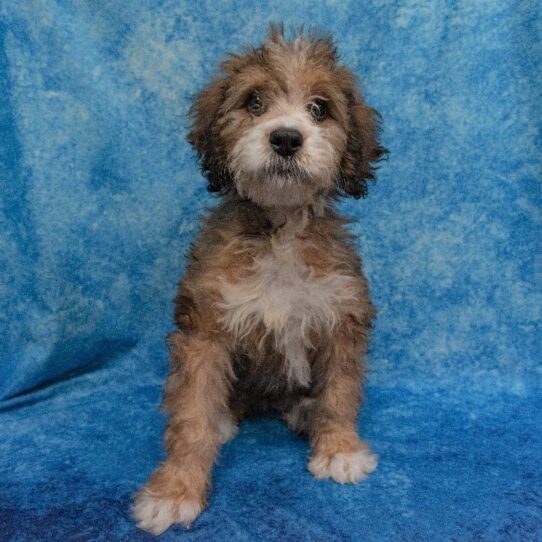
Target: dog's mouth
point(284, 167)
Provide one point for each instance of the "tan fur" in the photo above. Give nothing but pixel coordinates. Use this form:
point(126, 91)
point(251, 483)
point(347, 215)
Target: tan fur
point(273, 312)
point(284, 294)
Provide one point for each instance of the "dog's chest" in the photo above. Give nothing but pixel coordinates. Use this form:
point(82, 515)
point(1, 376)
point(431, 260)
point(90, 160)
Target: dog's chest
point(284, 298)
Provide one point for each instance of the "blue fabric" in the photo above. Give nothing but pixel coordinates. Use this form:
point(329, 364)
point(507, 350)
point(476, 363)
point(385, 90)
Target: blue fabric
point(100, 198)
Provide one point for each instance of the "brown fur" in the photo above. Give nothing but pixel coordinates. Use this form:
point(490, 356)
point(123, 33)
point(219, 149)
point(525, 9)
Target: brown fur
point(214, 370)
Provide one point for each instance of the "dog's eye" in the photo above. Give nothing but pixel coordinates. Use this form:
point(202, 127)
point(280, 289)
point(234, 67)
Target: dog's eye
point(254, 104)
point(318, 109)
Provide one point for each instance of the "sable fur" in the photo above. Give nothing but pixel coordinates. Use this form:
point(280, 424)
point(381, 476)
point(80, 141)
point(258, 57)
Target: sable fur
point(273, 312)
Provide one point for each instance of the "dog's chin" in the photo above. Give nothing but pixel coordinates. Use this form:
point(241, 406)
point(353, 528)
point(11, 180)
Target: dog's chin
point(278, 185)
point(285, 170)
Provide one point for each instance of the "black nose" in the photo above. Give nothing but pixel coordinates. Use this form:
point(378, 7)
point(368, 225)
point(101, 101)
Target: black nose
point(286, 141)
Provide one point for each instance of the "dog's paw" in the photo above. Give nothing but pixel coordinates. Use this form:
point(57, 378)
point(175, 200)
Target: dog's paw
point(345, 468)
point(227, 428)
point(156, 515)
point(298, 417)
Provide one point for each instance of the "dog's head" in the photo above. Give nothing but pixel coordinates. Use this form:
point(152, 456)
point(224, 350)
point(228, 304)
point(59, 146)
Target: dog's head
point(284, 124)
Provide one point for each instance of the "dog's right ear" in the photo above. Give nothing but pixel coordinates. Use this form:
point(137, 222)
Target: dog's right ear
point(363, 148)
point(204, 135)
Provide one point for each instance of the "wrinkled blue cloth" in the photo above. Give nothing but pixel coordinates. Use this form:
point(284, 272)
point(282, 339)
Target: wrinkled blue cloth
point(100, 198)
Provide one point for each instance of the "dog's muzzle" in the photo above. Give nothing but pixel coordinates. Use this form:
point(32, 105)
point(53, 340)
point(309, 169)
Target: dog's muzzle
point(286, 141)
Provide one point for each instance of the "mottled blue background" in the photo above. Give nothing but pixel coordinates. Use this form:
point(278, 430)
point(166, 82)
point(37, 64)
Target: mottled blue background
point(100, 197)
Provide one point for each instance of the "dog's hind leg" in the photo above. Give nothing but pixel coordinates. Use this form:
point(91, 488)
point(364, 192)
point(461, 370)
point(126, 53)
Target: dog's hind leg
point(298, 417)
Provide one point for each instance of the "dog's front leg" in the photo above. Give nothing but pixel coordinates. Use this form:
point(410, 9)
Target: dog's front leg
point(337, 451)
point(197, 401)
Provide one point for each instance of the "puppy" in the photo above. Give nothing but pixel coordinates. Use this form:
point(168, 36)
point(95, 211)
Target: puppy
point(273, 312)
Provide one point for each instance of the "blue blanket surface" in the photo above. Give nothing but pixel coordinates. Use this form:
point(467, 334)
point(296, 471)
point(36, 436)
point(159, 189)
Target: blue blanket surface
point(100, 197)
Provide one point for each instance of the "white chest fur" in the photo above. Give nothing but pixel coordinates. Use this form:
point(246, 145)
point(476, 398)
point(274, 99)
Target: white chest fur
point(284, 295)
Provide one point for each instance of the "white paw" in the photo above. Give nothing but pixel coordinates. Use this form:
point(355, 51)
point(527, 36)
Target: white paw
point(345, 468)
point(227, 428)
point(157, 515)
point(297, 417)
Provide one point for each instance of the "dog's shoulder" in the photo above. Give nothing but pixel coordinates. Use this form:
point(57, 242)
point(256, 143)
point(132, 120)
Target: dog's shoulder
point(232, 219)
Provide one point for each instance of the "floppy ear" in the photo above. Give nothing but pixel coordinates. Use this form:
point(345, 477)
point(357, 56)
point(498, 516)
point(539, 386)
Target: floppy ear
point(363, 149)
point(204, 135)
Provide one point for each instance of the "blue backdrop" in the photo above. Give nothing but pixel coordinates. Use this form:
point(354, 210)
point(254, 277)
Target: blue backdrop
point(100, 197)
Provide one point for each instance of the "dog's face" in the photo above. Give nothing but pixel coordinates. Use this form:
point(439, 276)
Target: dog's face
point(284, 124)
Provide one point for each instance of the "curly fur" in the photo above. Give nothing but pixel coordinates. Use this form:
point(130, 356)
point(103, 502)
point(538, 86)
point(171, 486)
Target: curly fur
point(273, 312)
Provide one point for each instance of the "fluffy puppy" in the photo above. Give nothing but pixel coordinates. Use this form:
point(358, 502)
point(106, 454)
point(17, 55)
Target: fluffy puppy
point(273, 312)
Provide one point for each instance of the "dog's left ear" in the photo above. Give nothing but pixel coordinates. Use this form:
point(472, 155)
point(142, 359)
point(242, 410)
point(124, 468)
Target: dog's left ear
point(363, 149)
point(204, 135)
